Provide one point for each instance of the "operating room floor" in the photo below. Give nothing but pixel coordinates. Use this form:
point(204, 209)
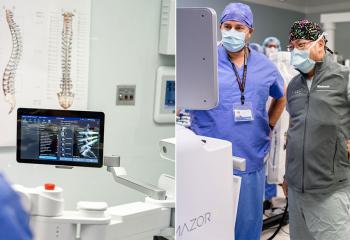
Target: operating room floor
point(284, 232)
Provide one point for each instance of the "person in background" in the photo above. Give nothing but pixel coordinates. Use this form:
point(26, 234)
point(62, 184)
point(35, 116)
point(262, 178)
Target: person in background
point(270, 45)
point(246, 80)
point(256, 47)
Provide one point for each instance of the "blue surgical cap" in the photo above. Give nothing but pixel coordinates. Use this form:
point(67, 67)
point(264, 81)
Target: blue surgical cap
point(273, 40)
point(238, 12)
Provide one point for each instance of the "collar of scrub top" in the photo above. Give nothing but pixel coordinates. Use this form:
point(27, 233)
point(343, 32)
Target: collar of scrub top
point(241, 81)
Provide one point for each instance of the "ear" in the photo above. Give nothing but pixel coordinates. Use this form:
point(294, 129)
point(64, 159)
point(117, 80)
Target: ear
point(321, 44)
point(249, 34)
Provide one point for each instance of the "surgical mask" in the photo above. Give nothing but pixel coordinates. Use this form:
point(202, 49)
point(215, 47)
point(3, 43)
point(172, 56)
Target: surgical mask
point(301, 60)
point(233, 40)
point(271, 50)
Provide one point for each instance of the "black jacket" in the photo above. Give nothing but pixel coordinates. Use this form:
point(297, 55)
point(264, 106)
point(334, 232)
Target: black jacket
point(317, 156)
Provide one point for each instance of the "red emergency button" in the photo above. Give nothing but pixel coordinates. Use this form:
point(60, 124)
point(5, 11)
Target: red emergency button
point(49, 186)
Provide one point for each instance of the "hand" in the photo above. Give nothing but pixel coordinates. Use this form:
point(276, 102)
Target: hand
point(271, 135)
point(285, 187)
point(178, 111)
point(348, 144)
point(271, 131)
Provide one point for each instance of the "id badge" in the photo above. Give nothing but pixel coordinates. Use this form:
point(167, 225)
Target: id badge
point(243, 113)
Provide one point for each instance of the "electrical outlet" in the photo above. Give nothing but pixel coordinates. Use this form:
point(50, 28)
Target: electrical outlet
point(126, 95)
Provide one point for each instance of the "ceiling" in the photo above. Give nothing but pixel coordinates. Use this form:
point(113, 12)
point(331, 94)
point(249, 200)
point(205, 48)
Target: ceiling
point(307, 6)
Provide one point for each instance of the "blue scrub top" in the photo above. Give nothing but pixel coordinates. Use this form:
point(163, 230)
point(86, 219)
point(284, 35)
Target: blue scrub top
point(250, 140)
point(14, 221)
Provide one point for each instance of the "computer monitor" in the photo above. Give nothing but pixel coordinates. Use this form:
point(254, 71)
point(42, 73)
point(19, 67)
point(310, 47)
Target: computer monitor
point(60, 137)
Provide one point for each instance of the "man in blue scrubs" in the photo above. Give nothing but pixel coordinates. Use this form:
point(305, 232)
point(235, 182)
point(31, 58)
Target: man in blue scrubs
point(246, 79)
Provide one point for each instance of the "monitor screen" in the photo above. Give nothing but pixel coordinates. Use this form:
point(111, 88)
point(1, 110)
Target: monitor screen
point(60, 137)
point(170, 94)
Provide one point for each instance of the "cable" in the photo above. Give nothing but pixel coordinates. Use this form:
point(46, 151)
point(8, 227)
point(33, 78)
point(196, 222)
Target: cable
point(281, 222)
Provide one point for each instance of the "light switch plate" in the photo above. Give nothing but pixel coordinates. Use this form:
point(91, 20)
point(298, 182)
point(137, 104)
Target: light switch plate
point(126, 95)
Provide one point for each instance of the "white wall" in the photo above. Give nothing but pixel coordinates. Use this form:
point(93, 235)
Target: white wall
point(124, 44)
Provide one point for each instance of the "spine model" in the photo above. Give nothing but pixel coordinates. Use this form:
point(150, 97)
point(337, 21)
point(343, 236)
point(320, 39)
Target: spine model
point(8, 80)
point(66, 96)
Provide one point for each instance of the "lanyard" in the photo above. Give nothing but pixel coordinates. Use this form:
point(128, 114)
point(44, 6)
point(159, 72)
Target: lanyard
point(241, 82)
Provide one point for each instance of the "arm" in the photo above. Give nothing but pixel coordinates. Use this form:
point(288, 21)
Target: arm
point(348, 143)
point(349, 88)
point(278, 93)
point(285, 183)
point(178, 110)
point(14, 221)
point(276, 109)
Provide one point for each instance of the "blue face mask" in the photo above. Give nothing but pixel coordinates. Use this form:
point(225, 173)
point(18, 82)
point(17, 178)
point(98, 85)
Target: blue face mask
point(300, 58)
point(233, 40)
point(301, 61)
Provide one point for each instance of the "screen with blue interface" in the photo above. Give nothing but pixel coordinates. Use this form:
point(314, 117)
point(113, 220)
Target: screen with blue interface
point(170, 94)
point(60, 137)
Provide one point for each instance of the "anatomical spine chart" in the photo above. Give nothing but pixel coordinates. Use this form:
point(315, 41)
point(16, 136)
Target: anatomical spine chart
point(66, 96)
point(44, 58)
point(9, 77)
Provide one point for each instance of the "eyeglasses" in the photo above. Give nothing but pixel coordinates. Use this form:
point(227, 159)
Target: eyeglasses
point(303, 44)
point(300, 46)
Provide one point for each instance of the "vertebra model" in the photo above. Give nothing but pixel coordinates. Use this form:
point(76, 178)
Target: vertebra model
point(8, 80)
point(66, 96)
